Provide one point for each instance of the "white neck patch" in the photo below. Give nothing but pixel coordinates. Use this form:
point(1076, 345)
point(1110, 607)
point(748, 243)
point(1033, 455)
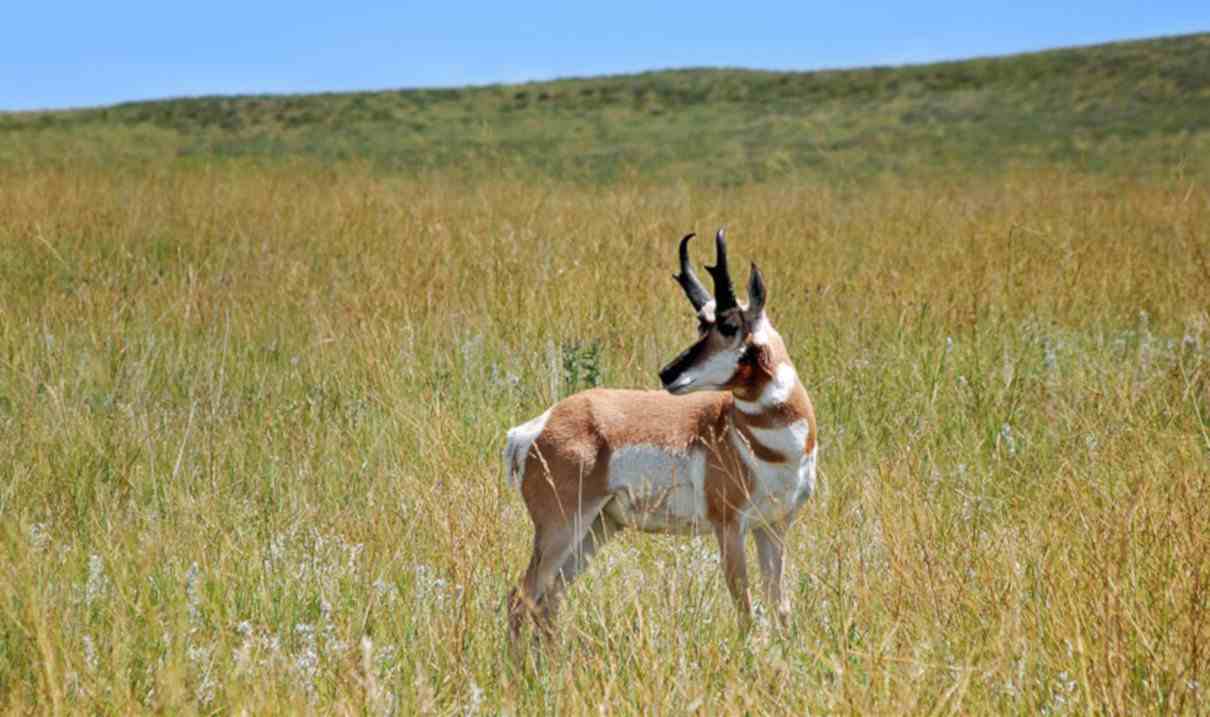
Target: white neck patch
point(762, 331)
point(778, 391)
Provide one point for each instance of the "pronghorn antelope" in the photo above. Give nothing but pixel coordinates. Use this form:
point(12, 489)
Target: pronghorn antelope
point(729, 446)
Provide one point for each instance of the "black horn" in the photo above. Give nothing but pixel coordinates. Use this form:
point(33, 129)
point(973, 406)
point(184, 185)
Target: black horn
point(724, 292)
point(698, 296)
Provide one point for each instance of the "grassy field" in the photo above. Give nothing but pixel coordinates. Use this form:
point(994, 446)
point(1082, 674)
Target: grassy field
point(1135, 107)
point(250, 420)
point(257, 357)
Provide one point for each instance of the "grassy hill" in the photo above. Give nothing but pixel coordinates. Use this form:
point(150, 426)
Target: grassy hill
point(1133, 107)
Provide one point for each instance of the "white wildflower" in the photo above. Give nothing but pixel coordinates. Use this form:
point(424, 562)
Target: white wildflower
point(1061, 695)
point(475, 699)
point(331, 643)
point(1189, 343)
point(97, 583)
point(698, 557)
point(243, 653)
point(433, 590)
point(1007, 440)
point(90, 654)
point(199, 658)
point(385, 590)
point(193, 594)
point(39, 536)
point(306, 663)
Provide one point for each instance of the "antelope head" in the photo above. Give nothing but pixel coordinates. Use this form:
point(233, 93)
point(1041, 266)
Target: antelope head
point(730, 335)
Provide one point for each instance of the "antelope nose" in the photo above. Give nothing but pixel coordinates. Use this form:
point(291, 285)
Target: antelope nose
point(673, 376)
point(674, 383)
point(668, 375)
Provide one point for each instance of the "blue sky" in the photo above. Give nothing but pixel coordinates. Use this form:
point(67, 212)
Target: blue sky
point(70, 54)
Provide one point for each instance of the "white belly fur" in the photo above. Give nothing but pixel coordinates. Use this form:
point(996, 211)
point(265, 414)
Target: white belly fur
point(658, 490)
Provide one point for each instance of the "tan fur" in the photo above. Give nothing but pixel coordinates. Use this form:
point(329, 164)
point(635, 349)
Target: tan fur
point(565, 480)
point(571, 456)
point(566, 469)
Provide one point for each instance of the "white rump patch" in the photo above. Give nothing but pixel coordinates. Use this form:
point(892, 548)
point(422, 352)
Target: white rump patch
point(516, 448)
point(658, 489)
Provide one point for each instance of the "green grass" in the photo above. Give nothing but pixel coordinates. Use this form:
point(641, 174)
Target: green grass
point(1136, 107)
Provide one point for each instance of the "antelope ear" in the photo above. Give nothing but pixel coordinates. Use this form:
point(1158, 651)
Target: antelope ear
point(756, 294)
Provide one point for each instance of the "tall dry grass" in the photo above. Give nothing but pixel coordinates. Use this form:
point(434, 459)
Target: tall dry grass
point(250, 419)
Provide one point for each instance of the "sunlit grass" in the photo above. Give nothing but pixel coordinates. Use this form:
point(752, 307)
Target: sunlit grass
point(250, 421)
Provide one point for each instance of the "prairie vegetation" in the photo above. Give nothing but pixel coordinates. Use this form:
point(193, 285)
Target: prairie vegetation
point(251, 420)
point(1138, 108)
point(251, 410)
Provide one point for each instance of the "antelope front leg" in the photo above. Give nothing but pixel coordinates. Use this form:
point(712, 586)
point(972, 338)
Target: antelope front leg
point(735, 569)
point(770, 549)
